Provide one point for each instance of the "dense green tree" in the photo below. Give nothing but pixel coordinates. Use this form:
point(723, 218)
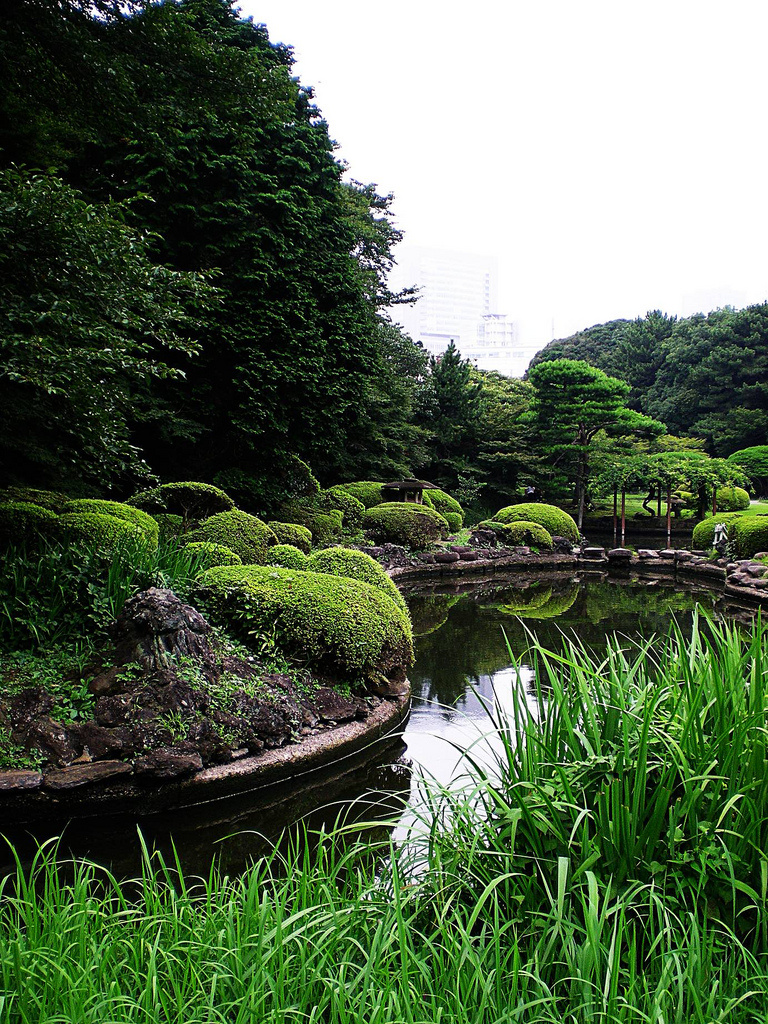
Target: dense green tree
point(572, 403)
point(754, 462)
point(83, 314)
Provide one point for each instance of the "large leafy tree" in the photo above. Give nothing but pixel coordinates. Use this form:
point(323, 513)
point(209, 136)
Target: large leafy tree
point(84, 314)
point(573, 402)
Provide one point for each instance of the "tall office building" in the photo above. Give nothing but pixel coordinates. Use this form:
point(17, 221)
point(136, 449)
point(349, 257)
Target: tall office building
point(457, 302)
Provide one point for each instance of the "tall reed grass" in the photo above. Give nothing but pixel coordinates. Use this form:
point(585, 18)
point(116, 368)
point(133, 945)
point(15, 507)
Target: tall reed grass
point(610, 867)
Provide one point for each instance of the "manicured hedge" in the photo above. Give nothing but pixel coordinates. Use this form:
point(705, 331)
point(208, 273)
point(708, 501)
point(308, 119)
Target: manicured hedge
point(751, 535)
point(367, 491)
point(288, 556)
point(246, 535)
point(556, 522)
point(732, 499)
point(142, 520)
point(704, 532)
point(443, 502)
point(341, 626)
point(96, 528)
point(54, 501)
point(399, 522)
point(350, 506)
point(355, 565)
point(520, 532)
point(189, 499)
point(454, 521)
point(169, 525)
point(325, 527)
point(292, 534)
point(211, 554)
point(24, 521)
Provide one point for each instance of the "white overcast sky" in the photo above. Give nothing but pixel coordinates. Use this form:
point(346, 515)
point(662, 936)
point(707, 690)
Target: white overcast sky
point(611, 153)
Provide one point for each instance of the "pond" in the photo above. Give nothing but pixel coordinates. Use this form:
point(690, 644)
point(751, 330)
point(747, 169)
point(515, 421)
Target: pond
point(463, 665)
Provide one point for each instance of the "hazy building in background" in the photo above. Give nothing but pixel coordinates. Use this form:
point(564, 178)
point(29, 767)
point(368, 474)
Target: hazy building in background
point(458, 302)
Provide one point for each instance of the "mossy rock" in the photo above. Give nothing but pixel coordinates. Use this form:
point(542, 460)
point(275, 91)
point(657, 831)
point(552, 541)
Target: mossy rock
point(210, 554)
point(293, 535)
point(170, 526)
point(750, 534)
point(24, 522)
point(248, 536)
point(443, 502)
point(366, 491)
point(54, 501)
point(142, 520)
point(355, 565)
point(288, 556)
point(191, 500)
point(556, 522)
point(107, 532)
point(520, 532)
point(704, 532)
point(339, 626)
point(732, 499)
point(399, 522)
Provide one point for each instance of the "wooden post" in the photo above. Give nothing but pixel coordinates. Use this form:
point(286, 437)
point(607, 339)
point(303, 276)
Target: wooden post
point(623, 513)
point(658, 501)
point(714, 500)
point(615, 510)
point(669, 515)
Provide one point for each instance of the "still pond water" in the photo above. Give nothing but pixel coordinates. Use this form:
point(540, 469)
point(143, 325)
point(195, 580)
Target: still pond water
point(463, 664)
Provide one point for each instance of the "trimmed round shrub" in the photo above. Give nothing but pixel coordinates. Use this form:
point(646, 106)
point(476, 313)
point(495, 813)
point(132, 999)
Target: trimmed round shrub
point(170, 526)
point(54, 501)
point(704, 532)
point(367, 491)
point(453, 519)
point(288, 556)
point(750, 534)
point(355, 565)
point(23, 521)
point(186, 498)
point(399, 522)
point(242, 533)
point(520, 532)
point(732, 499)
point(142, 520)
point(351, 508)
point(754, 462)
point(107, 532)
point(556, 522)
point(292, 534)
point(443, 502)
point(325, 527)
point(344, 627)
point(211, 554)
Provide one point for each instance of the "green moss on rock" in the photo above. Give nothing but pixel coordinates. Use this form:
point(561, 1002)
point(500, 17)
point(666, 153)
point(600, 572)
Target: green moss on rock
point(292, 534)
point(189, 499)
point(140, 519)
point(399, 522)
point(341, 626)
point(355, 565)
point(288, 556)
point(210, 554)
point(556, 522)
point(246, 535)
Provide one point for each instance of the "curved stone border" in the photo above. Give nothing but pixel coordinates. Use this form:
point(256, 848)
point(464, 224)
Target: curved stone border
point(337, 750)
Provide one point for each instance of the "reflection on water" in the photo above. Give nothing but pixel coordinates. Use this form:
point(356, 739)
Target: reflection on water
point(463, 667)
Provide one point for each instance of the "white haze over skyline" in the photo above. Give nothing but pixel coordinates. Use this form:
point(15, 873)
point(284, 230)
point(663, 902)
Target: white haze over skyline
point(610, 153)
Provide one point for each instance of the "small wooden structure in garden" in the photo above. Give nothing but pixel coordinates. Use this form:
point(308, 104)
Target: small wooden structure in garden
point(407, 490)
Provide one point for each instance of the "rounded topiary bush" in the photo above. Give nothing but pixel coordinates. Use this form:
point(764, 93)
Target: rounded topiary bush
point(142, 520)
point(754, 462)
point(288, 556)
point(399, 522)
point(750, 534)
point(170, 526)
point(732, 499)
point(443, 502)
point(324, 527)
point(292, 534)
point(556, 522)
point(22, 521)
point(355, 565)
point(186, 498)
point(246, 535)
point(107, 532)
point(341, 626)
point(520, 532)
point(210, 554)
point(366, 491)
point(351, 507)
point(54, 501)
point(454, 521)
point(704, 532)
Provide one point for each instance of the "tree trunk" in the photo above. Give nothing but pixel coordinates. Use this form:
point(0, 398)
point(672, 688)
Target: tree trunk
point(658, 500)
point(669, 515)
point(623, 514)
point(615, 511)
point(714, 500)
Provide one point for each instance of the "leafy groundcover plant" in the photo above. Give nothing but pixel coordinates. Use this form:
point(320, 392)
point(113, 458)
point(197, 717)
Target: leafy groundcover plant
point(610, 867)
